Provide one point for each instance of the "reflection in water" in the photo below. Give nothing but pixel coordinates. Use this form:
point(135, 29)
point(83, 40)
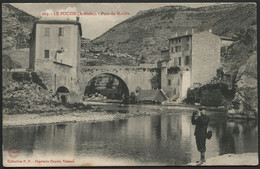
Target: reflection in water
point(167, 139)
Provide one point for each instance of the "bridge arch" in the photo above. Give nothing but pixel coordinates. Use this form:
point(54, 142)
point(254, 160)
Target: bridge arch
point(62, 89)
point(122, 86)
point(62, 94)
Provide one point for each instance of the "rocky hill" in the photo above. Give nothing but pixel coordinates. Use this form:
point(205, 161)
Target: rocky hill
point(147, 32)
point(16, 27)
point(240, 63)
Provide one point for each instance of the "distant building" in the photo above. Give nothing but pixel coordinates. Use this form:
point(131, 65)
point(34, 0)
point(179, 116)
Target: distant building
point(191, 61)
point(226, 41)
point(165, 54)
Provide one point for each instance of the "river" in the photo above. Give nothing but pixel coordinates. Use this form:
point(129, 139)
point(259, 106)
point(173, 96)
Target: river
point(161, 139)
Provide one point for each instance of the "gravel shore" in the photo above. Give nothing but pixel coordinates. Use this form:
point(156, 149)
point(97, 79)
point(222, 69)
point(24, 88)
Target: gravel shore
point(232, 159)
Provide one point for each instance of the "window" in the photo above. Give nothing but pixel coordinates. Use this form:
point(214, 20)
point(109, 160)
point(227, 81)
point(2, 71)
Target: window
point(174, 91)
point(178, 40)
point(187, 47)
point(61, 31)
point(169, 82)
point(186, 60)
point(46, 53)
point(46, 31)
point(179, 61)
point(177, 48)
point(188, 38)
point(175, 61)
point(172, 49)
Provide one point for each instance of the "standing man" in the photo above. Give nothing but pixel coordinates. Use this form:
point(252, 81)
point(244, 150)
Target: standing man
point(201, 120)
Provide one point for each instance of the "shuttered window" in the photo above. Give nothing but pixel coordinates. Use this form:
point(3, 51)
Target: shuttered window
point(186, 60)
point(46, 54)
point(169, 82)
point(61, 31)
point(46, 31)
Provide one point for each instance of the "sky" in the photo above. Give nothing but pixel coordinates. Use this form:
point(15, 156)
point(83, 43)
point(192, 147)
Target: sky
point(95, 18)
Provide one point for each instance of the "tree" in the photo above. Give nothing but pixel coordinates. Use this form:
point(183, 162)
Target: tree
point(92, 86)
point(110, 82)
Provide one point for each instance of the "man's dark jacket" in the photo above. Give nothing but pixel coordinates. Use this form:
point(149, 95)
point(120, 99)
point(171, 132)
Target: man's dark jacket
point(201, 125)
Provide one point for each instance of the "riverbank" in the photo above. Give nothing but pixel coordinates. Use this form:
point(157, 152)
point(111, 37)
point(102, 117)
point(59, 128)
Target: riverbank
point(232, 159)
point(94, 114)
point(86, 113)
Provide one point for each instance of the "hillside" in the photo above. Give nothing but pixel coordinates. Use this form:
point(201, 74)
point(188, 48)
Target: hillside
point(16, 27)
point(147, 32)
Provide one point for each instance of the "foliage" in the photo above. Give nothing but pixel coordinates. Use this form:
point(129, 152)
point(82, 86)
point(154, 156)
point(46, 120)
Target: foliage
point(9, 63)
point(110, 82)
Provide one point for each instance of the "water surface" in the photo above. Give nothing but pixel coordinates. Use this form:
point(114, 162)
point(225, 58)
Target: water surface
point(165, 139)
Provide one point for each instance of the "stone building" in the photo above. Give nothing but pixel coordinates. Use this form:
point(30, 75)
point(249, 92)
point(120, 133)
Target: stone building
point(55, 53)
point(190, 61)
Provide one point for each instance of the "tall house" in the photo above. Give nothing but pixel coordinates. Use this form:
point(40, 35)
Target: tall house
point(195, 59)
point(55, 50)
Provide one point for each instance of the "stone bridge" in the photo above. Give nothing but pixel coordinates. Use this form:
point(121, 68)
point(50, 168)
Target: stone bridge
point(132, 76)
point(66, 81)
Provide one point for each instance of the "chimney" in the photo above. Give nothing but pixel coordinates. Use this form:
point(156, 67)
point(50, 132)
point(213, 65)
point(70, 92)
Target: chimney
point(77, 19)
point(210, 30)
point(186, 33)
point(176, 34)
point(192, 31)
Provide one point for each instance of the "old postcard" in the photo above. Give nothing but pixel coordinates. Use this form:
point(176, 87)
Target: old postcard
point(129, 84)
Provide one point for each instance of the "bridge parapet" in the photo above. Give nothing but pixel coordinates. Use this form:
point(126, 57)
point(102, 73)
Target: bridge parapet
point(111, 67)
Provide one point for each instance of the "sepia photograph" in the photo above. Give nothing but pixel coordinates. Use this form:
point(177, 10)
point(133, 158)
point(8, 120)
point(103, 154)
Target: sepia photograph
point(129, 84)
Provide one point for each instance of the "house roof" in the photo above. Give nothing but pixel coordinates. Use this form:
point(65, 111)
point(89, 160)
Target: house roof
point(165, 50)
point(150, 95)
point(226, 38)
point(180, 36)
point(60, 22)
